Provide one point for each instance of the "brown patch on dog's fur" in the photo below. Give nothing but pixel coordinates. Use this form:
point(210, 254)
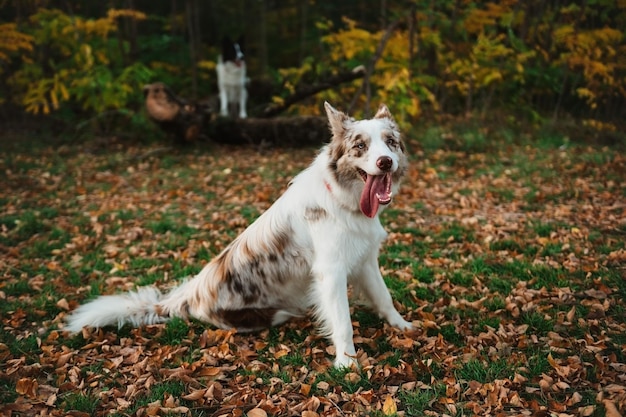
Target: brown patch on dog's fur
point(183, 312)
point(247, 318)
point(159, 310)
point(314, 214)
point(223, 263)
point(249, 268)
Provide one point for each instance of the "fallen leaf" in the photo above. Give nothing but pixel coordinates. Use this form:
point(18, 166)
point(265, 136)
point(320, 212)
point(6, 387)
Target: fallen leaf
point(389, 407)
point(610, 409)
point(257, 412)
point(27, 387)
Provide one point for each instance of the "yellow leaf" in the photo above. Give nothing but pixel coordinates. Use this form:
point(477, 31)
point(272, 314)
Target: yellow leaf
point(389, 407)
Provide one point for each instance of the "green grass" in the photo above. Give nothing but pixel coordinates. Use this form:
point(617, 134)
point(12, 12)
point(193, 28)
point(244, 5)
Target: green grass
point(538, 324)
point(168, 224)
point(158, 392)
point(451, 334)
point(423, 274)
point(485, 371)
point(84, 403)
point(26, 347)
point(506, 245)
point(457, 233)
point(461, 278)
point(500, 286)
point(176, 330)
point(347, 379)
point(536, 364)
point(485, 322)
point(417, 402)
point(547, 277)
point(494, 303)
point(400, 291)
point(23, 227)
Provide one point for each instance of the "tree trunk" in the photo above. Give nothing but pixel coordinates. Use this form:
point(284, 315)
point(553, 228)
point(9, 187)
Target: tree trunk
point(370, 68)
point(133, 34)
point(190, 12)
point(263, 55)
point(304, 14)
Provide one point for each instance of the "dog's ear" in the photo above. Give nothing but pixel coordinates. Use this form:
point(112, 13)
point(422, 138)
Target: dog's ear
point(241, 41)
point(383, 113)
point(336, 120)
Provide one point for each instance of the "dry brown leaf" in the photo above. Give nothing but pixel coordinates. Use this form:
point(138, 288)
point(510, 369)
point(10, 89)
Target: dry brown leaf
point(305, 389)
point(610, 409)
point(195, 395)
point(63, 304)
point(323, 386)
point(27, 387)
point(257, 412)
point(174, 410)
point(352, 377)
point(586, 411)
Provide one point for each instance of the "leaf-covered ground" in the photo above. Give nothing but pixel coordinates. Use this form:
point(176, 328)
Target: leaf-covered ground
point(511, 263)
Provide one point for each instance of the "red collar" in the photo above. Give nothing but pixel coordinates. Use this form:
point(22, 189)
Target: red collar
point(327, 185)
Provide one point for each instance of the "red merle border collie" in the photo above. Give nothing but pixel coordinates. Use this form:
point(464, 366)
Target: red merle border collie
point(300, 255)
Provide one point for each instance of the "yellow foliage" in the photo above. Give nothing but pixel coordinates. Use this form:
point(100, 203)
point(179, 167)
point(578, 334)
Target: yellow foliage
point(113, 14)
point(80, 62)
point(351, 42)
point(392, 81)
point(599, 125)
point(479, 19)
point(206, 65)
point(44, 95)
point(12, 41)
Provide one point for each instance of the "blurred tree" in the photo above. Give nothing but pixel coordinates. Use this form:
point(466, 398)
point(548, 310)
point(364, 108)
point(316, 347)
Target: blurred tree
point(535, 58)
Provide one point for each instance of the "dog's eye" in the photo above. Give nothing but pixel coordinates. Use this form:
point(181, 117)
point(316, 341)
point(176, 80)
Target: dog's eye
point(360, 145)
point(390, 141)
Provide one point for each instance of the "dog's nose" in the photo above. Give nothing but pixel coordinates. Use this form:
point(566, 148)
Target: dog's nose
point(384, 163)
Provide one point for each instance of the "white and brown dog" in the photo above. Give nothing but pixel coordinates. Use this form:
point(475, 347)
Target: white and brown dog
point(231, 78)
point(320, 236)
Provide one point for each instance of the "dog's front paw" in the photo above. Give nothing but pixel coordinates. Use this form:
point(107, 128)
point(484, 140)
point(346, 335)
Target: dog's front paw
point(402, 324)
point(345, 361)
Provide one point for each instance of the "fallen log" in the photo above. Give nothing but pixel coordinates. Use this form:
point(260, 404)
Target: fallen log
point(290, 132)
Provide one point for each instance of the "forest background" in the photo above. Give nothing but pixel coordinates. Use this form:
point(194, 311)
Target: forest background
point(521, 63)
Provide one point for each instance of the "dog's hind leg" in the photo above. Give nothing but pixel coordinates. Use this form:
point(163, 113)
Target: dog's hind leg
point(243, 97)
point(223, 101)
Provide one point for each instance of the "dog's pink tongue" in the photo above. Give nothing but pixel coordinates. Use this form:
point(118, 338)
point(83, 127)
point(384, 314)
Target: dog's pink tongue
point(377, 191)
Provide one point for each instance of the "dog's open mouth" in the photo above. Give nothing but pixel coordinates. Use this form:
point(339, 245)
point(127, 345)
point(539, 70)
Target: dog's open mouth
point(377, 191)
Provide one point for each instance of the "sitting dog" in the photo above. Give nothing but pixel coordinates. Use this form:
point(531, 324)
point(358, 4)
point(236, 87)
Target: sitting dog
point(231, 78)
point(320, 236)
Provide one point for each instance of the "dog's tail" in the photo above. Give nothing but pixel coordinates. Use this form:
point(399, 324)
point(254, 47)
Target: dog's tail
point(147, 305)
point(135, 308)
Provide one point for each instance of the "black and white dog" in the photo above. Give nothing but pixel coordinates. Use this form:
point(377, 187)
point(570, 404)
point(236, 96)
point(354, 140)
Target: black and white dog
point(231, 78)
point(320, 236)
